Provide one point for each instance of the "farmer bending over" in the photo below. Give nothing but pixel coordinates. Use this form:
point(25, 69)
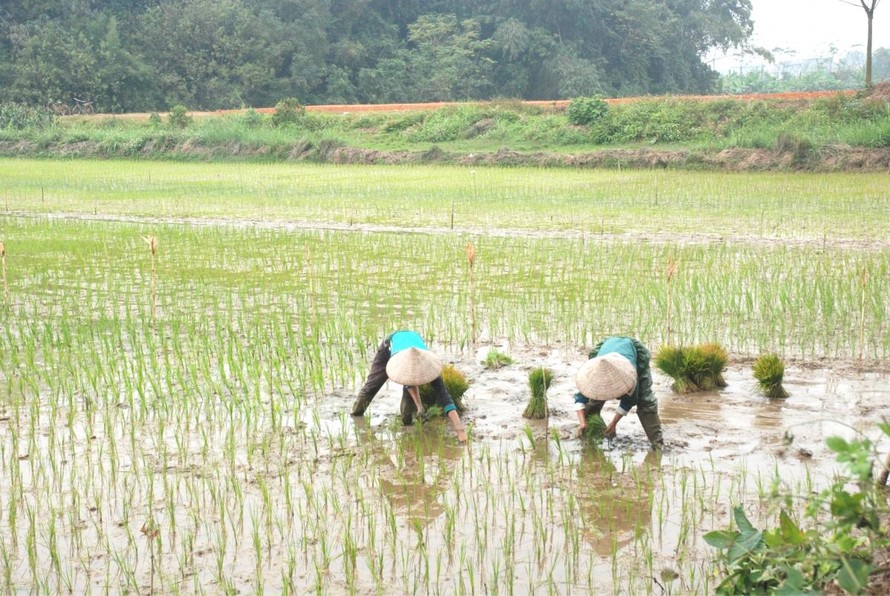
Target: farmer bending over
point(619, 369)
point(404, 358)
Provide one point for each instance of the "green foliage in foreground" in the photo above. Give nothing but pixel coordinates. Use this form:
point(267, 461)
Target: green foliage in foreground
point(693, 368)
point(843, 531)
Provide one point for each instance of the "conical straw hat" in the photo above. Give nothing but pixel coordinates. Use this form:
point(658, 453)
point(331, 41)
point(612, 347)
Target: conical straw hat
point(609, 376)
point(413, 367)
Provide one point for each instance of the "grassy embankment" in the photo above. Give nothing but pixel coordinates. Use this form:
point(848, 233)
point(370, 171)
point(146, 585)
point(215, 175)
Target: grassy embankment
point(803, 133)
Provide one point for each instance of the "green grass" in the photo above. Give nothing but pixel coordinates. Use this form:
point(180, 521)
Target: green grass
point(482, 128)
point(803, 206)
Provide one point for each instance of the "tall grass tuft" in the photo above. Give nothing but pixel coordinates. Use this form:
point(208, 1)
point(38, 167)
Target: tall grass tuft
point(152, 242)
point(539, 380)
point(471, 259)
point(3, 261)
point(863, 282)
point(671, 270)
point(693, 368)
point(769, 370)
point(455, 382)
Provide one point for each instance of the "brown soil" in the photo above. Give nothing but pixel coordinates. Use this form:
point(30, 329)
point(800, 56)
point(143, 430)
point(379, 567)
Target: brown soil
point(840, 158)
point(555, 104)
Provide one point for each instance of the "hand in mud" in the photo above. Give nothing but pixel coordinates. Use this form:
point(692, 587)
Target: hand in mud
point(609, 433)
point(580, 432)
point(462, 435)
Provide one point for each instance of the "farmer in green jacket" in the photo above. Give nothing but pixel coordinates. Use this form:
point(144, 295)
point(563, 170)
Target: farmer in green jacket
point(404, 358)
point(619, 369)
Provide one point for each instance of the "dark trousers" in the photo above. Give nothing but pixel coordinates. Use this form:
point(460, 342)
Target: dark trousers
point(377, 377)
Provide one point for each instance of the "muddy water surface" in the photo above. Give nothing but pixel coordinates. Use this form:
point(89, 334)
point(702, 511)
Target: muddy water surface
point(314, 500)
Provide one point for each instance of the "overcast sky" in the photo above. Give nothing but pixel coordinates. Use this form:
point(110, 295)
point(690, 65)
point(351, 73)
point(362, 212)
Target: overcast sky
point(810, 27)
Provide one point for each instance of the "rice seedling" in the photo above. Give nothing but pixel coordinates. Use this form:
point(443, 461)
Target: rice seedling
point(863, 282)
point(595, 431)
point(471, 260)
point(671, 270)
point(3, 267)
point(769, 370)
point(693, 368)
point(152, 242)
point(495, 360)
point(539, 380)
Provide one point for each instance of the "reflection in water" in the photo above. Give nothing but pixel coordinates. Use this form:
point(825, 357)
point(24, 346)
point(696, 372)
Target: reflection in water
point(697, 406)
point(615, 506)
point(412, 473)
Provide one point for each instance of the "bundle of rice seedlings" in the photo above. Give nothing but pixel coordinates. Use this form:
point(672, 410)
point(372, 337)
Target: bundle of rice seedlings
point(670, 360)
point(495, 360)
point(769, 370)
point(539, 380)
point(456, 384)
point(595, 431)
point(716, 358)
point(693, 368)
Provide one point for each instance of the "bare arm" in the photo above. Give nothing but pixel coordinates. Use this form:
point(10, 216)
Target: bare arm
point(458, 425)
point(610, 430)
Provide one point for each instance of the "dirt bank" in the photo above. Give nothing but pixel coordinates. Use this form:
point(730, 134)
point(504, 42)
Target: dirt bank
point(838, 158)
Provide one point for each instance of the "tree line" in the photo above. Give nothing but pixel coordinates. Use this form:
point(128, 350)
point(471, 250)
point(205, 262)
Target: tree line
point(145, 55)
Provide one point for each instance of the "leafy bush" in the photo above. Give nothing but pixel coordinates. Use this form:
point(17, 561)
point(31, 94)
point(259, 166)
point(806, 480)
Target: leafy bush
point(587, 111)
point(693, 368)
point(445, 124)
point(252, 119)
point(179, 117)
point(839, 546)
point(288, 112)
point(495, 360)
point(456, 384)
point(539, 380)
point(15, 116)
point(769, 370)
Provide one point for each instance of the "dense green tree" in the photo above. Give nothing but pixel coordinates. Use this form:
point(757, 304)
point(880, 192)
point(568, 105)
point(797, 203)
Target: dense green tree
point(448, 61)
point(152, 54)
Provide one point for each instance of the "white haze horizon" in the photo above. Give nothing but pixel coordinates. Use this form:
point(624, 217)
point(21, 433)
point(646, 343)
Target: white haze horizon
point(798, 31)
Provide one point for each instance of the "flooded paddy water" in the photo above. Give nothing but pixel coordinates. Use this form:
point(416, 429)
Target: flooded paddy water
point(314, 500)
point(179, 424)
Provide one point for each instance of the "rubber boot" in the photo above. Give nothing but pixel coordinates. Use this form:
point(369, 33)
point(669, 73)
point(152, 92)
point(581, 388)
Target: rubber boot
point(652, 425)
point(360, 405)
point(407, 409)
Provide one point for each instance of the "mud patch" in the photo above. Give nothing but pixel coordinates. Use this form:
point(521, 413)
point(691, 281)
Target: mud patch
point(828, 398)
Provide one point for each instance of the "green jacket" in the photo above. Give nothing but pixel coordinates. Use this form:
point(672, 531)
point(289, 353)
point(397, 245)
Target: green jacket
point(643, 389)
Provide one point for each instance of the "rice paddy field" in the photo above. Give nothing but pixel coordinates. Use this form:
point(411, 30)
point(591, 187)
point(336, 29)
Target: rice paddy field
point(180, 345)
